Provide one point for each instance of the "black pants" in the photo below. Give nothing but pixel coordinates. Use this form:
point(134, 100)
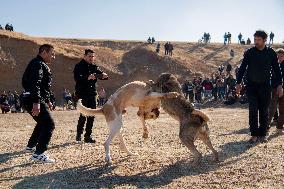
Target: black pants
point(44, 127)
point(89, 102)
point(259, 99)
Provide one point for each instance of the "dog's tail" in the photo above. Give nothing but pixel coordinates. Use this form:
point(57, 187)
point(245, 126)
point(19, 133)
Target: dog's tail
point(87, 111)
point(201, 114)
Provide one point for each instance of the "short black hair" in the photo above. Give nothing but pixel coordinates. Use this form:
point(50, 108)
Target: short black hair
point(87, 51)
point(260, 33)
point(45, 47)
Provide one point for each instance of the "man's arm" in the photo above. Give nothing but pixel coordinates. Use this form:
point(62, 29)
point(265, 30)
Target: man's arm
point(242, 68)
point(35, 82)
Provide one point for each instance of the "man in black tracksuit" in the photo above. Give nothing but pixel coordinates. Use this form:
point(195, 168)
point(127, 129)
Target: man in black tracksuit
point(36, 100)
point(258, 64)
point(86, 74)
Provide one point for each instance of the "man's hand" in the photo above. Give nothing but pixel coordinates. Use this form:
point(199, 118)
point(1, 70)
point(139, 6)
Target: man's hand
point(92, 77)
point(50, 106)
point(238, 89)
point(36, 109)
point(280, 91)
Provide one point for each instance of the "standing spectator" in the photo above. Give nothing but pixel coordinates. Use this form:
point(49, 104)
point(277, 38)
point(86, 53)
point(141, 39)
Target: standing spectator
point(275, 100)
point(221, 69)
point(198, 92)
point(258, 74)
point(171, 48)
point(225, 38)
point(37, 82)
point(229, 69)
point(149, 40)
point(220, 84)
point(86, 74)
point(188, 90)
point(271, 37)
point(229, 36)
point(166, 48)
point(153, 40)
point(240, 37)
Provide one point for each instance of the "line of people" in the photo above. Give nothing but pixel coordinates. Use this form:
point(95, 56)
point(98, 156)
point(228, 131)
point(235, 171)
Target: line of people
point(8, 27)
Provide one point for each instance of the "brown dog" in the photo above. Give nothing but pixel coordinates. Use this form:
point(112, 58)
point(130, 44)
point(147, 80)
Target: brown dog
point(193, 123)
point(135, 94)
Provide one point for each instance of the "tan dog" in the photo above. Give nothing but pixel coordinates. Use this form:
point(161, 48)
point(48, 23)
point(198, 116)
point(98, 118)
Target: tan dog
point(193, 123)
point(135, 94)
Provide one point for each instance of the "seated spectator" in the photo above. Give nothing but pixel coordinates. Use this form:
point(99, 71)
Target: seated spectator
point(248, 41)
point(232, 53)
point(232, 96)
point(158, 47)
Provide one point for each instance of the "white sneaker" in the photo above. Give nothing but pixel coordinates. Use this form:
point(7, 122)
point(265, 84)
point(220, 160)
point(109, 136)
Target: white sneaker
point(28, 149)
point(42, 158)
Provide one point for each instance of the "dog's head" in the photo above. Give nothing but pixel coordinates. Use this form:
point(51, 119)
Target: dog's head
point(166, 82)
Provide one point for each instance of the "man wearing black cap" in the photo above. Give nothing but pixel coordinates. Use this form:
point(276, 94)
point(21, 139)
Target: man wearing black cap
point(258, 64)
point(36, 100)
point(86, 74)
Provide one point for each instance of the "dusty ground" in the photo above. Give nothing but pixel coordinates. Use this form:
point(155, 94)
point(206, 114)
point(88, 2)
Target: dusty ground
point(162, 162)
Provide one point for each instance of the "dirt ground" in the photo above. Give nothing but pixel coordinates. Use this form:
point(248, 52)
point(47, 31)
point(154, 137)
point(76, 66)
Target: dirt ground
point(162, 161)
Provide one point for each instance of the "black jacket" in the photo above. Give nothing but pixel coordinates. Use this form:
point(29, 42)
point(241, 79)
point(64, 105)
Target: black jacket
point(273, 80)
point(82, 71)
point(37, 80)
point(258, 66)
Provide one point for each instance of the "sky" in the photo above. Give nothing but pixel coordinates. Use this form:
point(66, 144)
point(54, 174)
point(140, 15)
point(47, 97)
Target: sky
point(166, 20)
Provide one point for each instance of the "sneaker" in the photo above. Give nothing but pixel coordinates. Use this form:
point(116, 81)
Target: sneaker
point(42, 158)
point(89, 140)
point(29, 149)
point(263, 139)
point(78, 138)
point(253, 140)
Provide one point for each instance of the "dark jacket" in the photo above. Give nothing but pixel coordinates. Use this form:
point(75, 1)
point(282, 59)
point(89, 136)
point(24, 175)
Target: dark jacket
point(82, 71)
point(37, 80)
point(273, 80)
point(258, 66)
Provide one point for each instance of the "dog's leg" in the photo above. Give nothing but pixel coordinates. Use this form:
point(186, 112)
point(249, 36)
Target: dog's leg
point(204, 136)
point(114, 127)
point(145, 128)
point(122, 144)
point(187, 137)
point(190, 145)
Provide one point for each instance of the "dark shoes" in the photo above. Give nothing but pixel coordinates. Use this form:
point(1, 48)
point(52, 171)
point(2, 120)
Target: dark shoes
point(78, 138)
point(263, 139)
point(255, 139)
point(89, 140)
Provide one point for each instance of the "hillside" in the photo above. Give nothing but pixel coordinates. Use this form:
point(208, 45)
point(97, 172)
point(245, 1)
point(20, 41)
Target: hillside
point(124, 61)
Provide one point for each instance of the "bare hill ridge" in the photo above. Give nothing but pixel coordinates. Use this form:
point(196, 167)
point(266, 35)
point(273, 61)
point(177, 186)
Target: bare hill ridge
point(124, 61)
